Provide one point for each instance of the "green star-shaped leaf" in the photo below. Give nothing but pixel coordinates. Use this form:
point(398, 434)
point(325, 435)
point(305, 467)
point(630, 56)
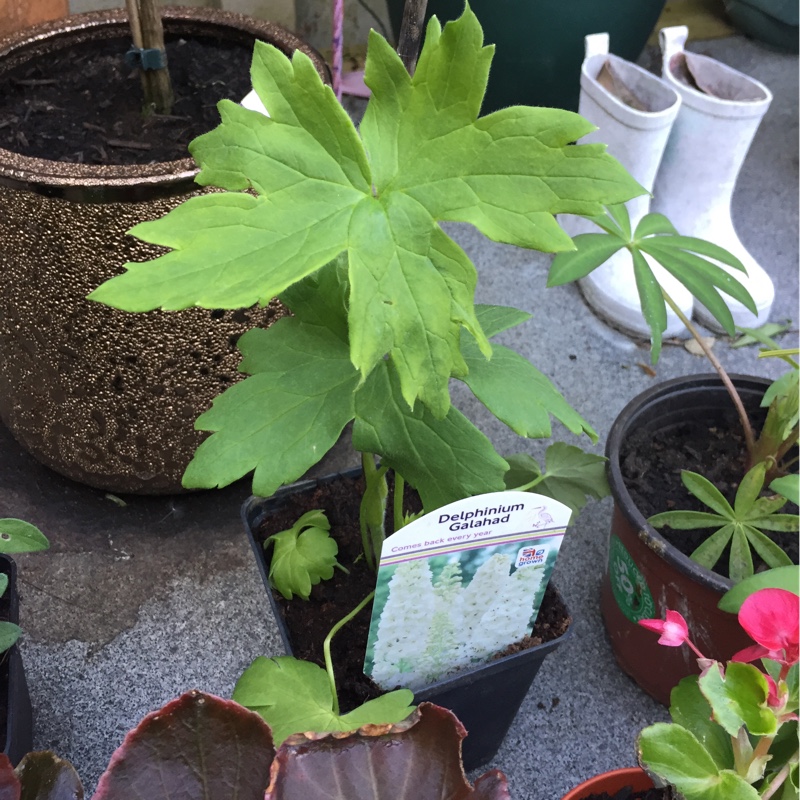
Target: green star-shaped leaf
point(303, 187)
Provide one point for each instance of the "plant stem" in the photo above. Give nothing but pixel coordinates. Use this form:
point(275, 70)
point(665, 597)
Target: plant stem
point(373, 509)
point(408, 41)
point(399, 486)
point(147, 33)
point(527, 486)
point(326, 647)
point(779, 779)
point(720, 370)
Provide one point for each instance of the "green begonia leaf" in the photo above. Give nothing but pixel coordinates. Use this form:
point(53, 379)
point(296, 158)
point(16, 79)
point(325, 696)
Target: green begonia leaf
point(281, 420)
point(677, 756)
point(294, 696)
point(689, 709)
point(303, 187)
point(739, 698)
point(18, 536)
point(787, 578)
point(444, 459)
point(303, 555)
point(788, 486)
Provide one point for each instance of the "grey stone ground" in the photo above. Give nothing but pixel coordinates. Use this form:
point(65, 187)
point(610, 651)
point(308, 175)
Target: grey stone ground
point(136, 604)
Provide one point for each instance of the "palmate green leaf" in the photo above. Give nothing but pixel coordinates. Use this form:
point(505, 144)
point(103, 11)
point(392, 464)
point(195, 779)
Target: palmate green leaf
point(515, 391)
point(303, 555)
point(593, 249)
point(739, 697)
point(282, 420)
point(294, 696)
point(762, 335)
point(444, 459)
point(506, 173)
point(571, 476)
point(316, 191)
point(676, 755)
point(18, 536)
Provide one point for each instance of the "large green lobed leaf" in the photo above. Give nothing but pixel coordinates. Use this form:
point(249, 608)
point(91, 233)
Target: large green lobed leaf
point(315, 189)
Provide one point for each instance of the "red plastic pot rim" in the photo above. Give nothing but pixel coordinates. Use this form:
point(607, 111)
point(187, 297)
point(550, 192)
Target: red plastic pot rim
point(610, 782)
point(620, 429)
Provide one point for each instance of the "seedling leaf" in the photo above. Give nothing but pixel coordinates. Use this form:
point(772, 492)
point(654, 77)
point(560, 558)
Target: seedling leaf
point(303, 555)
point(294, 696)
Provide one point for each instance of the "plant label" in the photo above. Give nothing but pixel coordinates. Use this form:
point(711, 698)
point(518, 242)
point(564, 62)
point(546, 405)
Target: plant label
point(461, 584)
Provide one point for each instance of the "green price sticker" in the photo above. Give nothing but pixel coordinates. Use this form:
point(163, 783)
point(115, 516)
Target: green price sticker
point(628, 584)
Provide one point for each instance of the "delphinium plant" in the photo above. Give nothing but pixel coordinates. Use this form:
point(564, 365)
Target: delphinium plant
point(343, 225)
point(767, 483)
point(734, 729)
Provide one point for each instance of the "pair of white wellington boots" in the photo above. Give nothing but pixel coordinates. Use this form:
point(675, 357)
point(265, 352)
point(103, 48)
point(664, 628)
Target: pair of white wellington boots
point(686, 147)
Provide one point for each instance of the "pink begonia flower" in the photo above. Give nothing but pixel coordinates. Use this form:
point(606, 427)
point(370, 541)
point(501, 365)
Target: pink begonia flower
point(772, 618)
point(674, 630)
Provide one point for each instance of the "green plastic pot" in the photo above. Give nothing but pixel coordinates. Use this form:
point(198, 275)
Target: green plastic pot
point(539, 43)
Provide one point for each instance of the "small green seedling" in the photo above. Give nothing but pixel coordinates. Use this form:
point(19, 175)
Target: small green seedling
point(741, 525)
point(304, 555)
point(16, 536)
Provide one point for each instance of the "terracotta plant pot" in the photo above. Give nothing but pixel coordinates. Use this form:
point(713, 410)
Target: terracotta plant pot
point(486, 698)
point(611, 782)
point(645, 574)
point(13, 685)
point(105, 397)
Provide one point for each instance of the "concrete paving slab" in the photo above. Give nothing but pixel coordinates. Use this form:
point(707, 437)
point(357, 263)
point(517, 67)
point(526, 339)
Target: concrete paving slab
point(136, 603)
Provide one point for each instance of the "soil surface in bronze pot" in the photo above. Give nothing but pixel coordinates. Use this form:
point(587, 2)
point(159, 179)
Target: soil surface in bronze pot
point(84, 104)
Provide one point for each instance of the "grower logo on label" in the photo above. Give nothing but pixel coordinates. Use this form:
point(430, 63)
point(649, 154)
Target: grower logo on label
point(531, 557)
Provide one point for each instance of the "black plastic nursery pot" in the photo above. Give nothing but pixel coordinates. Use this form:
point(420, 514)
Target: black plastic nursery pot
point(17, 737)
point(486, 699)
point(645, 573)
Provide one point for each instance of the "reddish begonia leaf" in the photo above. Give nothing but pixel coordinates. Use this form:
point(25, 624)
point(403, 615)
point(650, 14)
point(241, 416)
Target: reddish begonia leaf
point(198, 747)
point(45, 776)
point(417, 759)
point(9, 784)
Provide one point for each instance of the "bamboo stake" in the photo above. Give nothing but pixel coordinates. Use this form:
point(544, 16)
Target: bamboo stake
point(147, 33)
point(411, 33)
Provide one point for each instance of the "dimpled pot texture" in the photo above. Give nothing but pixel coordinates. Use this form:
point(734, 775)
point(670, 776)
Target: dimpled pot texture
point(105, 397)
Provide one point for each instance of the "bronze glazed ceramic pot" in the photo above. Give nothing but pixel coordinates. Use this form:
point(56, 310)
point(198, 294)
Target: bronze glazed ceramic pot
point(105, 397)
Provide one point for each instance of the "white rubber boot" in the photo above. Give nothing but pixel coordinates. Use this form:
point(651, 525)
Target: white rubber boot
point(637, 139)
point(705, 152)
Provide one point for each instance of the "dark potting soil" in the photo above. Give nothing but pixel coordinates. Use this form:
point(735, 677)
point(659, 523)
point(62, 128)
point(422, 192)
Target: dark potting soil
point(651, 467)
point(626, 793)
point(84, 104)
point(310, 622)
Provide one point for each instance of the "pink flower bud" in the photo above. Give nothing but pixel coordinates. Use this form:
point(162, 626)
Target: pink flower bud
point(674, 630)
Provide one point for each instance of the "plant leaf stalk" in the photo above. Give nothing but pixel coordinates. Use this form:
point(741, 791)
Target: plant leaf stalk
point(744, 420)
point(373, 509)
point(326, 648)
